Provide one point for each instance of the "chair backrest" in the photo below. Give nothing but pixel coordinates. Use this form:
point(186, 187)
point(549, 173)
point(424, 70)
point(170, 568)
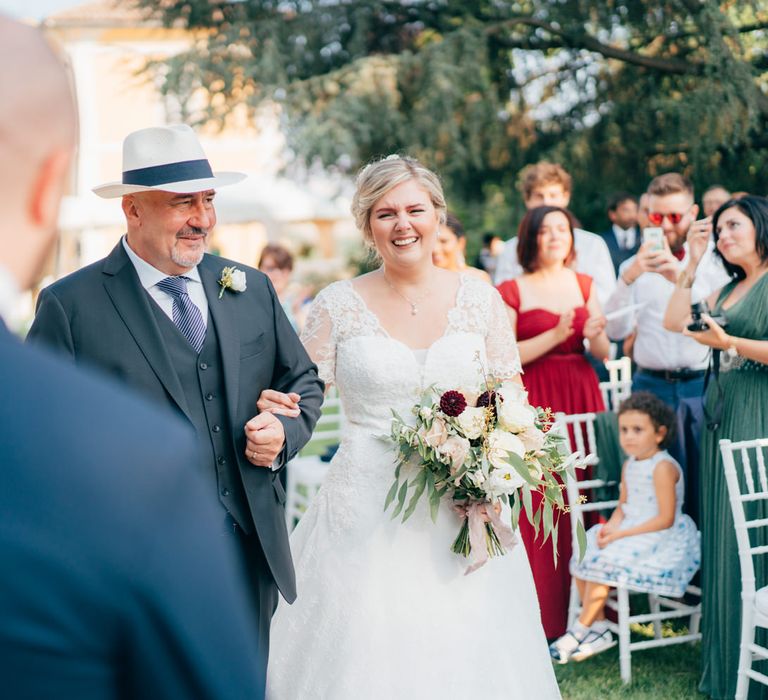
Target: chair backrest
point(745, 473)
point(619, 384)
point(579, 428)
point(330, 425)
point(305, 475)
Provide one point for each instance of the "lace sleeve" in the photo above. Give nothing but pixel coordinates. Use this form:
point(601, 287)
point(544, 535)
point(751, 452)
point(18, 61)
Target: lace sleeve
point(500, 343)
point(318, 339)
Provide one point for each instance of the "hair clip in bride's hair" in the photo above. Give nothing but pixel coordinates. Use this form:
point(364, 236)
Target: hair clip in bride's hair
point(393, 156)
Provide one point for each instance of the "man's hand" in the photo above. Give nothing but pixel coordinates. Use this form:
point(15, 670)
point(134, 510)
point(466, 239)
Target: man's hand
point(265, 438)
point(698, 239)
point(649, 259)
point(271, 401)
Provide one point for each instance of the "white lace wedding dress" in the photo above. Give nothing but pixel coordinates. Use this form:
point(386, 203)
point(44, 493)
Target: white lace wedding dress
point(385, 611)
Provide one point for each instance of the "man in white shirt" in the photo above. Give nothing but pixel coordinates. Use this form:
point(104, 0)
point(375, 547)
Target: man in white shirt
point(548, 184)
point(669, 364)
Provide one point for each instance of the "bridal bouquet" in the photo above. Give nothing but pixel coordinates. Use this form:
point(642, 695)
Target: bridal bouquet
point(481, 449)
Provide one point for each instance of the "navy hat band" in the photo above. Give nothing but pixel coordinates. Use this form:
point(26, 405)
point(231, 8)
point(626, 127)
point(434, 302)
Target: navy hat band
point(172, 172)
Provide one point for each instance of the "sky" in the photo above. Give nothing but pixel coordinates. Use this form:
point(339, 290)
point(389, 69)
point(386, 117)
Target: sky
point(36, 9)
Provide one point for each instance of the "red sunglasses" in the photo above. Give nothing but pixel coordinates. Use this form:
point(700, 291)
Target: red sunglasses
point(674, 218)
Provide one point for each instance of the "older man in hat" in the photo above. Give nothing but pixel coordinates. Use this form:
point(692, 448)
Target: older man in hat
point(200, 334)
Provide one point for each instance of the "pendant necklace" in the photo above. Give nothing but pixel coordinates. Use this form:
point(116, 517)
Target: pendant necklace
point(413, 303)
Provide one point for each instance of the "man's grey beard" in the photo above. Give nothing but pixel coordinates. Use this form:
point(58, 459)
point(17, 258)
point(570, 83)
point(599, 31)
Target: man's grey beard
point(189, 261)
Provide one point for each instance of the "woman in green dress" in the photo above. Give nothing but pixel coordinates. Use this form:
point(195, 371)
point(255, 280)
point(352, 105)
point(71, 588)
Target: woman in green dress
point(740, 412)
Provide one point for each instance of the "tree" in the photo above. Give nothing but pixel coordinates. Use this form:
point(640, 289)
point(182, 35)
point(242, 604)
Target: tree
point(617, 91)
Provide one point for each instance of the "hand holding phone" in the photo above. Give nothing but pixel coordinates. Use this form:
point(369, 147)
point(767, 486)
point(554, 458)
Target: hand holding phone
point(654, 237)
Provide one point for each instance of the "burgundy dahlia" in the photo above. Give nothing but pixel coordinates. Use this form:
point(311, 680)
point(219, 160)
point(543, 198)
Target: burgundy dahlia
point(453, 403)
point(488, 398)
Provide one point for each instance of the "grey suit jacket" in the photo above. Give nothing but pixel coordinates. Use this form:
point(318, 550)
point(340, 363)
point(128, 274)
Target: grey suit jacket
point(101, 316)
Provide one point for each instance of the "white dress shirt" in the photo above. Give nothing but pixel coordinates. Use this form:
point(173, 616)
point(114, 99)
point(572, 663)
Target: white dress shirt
point(592, 258)
point(625, 237)
point(9, 295)
point(149, 276)
point(655, 347)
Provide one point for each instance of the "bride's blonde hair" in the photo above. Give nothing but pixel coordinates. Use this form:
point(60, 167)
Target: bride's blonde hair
point(379, 177)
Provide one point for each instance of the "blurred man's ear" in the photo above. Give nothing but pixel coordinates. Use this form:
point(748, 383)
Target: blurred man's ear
point(47, 190)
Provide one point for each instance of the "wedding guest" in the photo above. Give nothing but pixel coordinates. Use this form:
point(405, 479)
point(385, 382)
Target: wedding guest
point(642, 212)
point(737, 409)
point(553, 310)
point(487, 259)
point(276, 262)
point(623, 238)
point(648, 543)
point(668, 364)
point(200, 336)
point(117, 581)
point(451, 249)
point(548, 184)
point(713, 198)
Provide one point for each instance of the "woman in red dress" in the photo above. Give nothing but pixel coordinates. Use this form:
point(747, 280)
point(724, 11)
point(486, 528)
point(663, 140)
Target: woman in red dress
point(553, 310)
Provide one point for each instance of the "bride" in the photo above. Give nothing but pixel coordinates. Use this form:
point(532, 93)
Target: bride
point(384, 609)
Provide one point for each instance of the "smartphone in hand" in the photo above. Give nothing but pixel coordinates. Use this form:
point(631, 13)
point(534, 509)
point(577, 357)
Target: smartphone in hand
point(654, 236)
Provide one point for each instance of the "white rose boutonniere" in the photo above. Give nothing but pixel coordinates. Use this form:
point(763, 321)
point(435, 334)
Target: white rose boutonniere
point(233, 279)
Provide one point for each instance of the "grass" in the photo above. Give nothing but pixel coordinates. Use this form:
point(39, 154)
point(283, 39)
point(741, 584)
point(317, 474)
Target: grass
point(671, 673)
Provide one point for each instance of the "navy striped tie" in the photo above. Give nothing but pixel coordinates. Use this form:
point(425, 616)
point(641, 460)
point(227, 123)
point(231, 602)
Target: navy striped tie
point(186, 314)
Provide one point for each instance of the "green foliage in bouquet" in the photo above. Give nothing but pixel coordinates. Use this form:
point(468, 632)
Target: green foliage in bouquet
point(482, 450)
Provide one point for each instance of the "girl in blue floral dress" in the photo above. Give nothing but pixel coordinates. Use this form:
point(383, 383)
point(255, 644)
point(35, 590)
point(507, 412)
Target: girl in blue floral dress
point(647, 544)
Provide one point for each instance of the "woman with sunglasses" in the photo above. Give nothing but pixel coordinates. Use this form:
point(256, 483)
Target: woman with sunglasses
point(737, 407)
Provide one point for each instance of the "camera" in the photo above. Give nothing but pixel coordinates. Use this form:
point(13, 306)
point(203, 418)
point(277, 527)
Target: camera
point(698, 323)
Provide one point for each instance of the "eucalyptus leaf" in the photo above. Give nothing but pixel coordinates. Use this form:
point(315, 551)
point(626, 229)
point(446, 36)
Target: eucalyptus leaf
point(418, 485)
point(391, 495)
point(581, 539)
point(400, 499)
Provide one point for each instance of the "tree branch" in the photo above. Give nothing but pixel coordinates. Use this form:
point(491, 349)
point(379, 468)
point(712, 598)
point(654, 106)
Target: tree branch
point(585, 41)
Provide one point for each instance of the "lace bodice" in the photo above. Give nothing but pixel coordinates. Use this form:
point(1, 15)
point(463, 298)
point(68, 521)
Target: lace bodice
point(375, 372)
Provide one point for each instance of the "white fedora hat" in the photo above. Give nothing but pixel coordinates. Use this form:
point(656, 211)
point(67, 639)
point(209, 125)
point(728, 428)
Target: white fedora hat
point(166, 158)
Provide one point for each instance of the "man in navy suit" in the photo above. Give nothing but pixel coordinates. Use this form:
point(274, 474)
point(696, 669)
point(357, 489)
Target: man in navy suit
point(623, 238)
point(116, 582)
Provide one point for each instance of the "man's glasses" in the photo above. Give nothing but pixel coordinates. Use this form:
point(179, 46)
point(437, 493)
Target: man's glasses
point(674, 218)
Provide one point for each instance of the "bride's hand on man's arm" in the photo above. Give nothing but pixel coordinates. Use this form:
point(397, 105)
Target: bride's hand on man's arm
point(271, 401)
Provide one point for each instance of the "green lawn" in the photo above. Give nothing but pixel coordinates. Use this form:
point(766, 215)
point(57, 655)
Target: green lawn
point(671, 673)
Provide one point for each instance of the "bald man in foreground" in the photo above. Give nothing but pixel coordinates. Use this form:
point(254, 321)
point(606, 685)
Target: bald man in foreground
point(115, 581)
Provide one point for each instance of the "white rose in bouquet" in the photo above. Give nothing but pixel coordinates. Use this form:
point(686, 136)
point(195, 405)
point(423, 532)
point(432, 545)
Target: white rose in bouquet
point(516, 417)
point(532, 438)
point(500, 445)
point(436, 434)
point(513, 392)
point(471, 422)
point(455, 449)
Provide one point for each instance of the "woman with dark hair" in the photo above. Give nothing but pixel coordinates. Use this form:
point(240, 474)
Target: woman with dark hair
point(553, 310)
point(276, 262)
point(451, 249)
point(737, 409)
